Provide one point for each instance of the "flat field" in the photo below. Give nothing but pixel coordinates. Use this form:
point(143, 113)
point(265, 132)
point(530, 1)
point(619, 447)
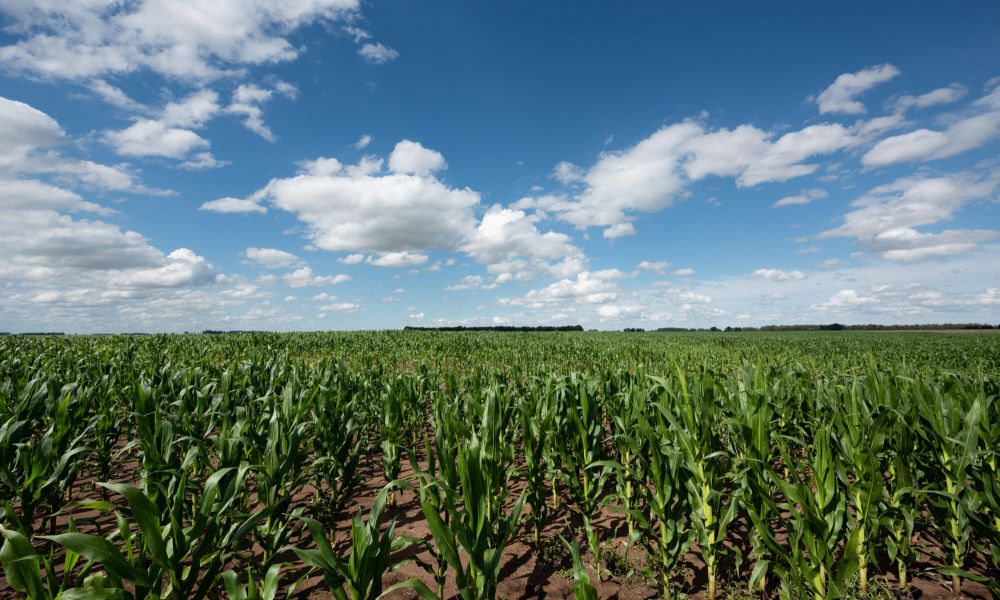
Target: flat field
point(500, 465)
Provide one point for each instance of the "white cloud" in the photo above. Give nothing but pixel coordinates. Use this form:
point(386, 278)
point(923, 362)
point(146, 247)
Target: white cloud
point(657, 266)
point(804, 197)
point(248, 101)
point(184, 40)
point(511, 247)
point(271, 258)
point(616, 311)
point(885, 220)
point(654, 173)
point(152, 138)
point(114, 96)
point(397, 259)
point(304, 276)
point(566, 173)
point(363, 142)
point(29, 137)
point(779, 275)
point(945, 95)
point(377, 53)
point(846, 298)
point(472, 282)
point(232, 205)
point(586, 288)
point(840, 96)
point(686, 272)
point(340, 307)
point(411, 158)
point(417, 316)
point(202, 160)
point(963, 134)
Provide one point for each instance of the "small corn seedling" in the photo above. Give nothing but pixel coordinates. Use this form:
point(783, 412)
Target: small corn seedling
point(360, 576)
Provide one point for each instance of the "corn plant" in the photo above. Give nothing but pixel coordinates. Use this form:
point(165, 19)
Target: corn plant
point(169, 558)
point(338, 441)
point(661, 504)
point(23, 567)
point(476, 518)
point(861, 437)
point(535, 424)
point(266, 589)
point(816, 502)
point(750, 438)
point(694, 420)
point(583, 465)
point(582, 588)
point(360, 576)
point(952, 432)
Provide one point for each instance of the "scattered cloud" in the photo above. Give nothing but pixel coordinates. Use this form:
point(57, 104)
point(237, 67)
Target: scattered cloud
point(804, 197)
point(377, 53)
point(779, 275)
point(841, 96)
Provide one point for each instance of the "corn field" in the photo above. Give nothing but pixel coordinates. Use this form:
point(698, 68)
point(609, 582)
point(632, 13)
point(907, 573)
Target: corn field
point(449, 465)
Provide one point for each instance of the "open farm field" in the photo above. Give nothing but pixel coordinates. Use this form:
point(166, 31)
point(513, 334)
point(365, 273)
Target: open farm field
point(486, 465)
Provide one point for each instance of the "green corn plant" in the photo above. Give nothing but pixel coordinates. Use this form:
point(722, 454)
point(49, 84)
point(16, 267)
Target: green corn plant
point(582, 461)
point(535, 424)
point(338, 443)
point(280, 469)
point(816, 503)
point(988, 482)
point(952, 432)
point(904, 498)
point(662, 527)
point(751, 413)
point(394, 400)
point(481, 525)
point(582, 588)
point(171, 558)
point(266, 589)
point(23, 568)
point(860, 436)
point(631, 401)
point(360, 576)
point(694, 421)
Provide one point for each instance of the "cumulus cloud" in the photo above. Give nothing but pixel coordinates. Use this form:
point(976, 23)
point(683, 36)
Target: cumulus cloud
point(30, 141)
point(232, 205)
point(841, 96)
point(779, 275)
point(363, 142)
point(304, 277)
point(845, 299)
point(964, 134)
point(945, 95)
point(686, 272)
point(587, 288)
point(659, 267)
point(248, 100)
point(411, 158)
point(183, 40)
point(512, 247)
point(886, 219)
point(655, 173)
point(397, 259)
point(152, 138)
point(271, 258)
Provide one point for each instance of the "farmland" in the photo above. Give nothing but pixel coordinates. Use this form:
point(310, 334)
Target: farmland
point(484, 465)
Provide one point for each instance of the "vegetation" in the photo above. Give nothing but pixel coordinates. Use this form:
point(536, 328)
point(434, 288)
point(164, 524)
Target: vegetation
point(801, 465)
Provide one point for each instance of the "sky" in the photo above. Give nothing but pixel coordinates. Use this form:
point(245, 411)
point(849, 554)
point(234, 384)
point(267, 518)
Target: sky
point(179, 165)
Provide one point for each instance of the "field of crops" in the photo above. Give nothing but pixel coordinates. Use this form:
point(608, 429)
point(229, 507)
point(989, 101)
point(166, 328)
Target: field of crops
point(484, 465)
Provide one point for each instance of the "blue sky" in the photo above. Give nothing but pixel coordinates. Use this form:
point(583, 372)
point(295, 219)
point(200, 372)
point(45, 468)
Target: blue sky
point(330, 164)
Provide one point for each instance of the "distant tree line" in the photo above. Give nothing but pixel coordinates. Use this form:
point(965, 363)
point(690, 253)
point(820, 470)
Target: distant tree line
point(500, 328)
